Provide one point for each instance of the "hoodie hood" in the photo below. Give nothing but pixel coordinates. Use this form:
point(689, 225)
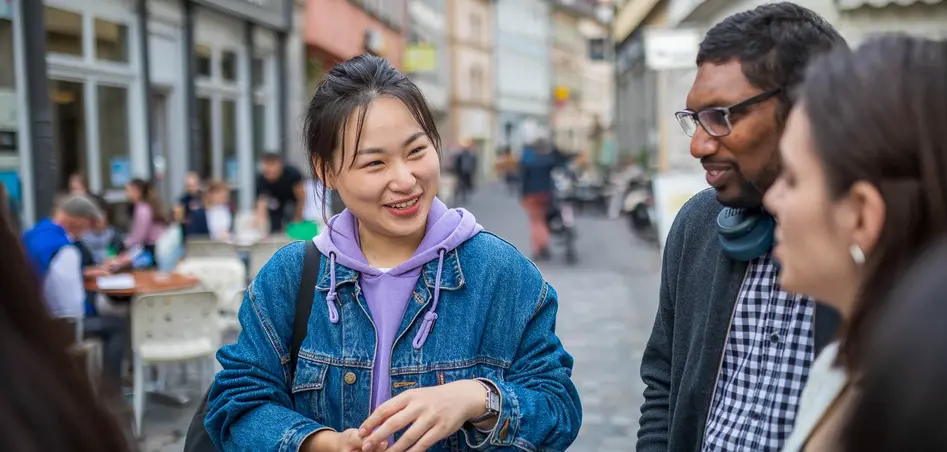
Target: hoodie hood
point(446, 230)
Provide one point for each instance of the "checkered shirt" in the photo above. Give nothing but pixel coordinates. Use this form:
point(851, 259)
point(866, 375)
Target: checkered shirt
point(765, 366)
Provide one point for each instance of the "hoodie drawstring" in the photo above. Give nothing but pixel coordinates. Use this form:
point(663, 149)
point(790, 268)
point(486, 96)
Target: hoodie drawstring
point(431, 315)
point(330, 298)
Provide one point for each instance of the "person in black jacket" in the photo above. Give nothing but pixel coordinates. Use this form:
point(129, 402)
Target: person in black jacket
point(730, 351)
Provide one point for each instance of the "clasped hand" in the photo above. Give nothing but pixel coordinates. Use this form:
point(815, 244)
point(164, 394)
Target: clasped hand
point(432, 413)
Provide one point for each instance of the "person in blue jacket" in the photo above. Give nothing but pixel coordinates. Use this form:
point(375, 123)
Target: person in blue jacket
point(426, 332)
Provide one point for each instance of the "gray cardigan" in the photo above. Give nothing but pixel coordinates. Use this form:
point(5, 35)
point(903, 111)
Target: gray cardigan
point(699, 288)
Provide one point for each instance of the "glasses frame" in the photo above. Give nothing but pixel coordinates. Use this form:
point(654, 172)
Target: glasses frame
point(725, 111)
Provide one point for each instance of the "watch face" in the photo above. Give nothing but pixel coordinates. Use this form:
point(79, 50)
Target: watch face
point(494, 401)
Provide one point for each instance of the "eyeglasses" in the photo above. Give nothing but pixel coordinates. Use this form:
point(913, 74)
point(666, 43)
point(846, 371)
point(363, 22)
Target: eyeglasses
point(716, 121)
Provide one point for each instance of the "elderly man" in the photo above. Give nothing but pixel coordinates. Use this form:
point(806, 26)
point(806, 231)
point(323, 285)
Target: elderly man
point(58, 262)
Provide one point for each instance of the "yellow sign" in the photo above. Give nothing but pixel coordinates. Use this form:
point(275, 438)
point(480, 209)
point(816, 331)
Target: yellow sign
point(420, 58)
point(561, 93)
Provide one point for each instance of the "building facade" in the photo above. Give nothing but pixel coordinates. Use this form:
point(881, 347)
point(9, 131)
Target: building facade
point(523, 42)
point(597, 103)
point(427, 60)
point(641, 128)
point(568, 56)
point(150, 89)
point(470, 36)
point(582, 82)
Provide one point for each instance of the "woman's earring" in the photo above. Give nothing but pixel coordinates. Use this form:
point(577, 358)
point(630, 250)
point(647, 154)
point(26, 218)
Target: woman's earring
point(858, 256)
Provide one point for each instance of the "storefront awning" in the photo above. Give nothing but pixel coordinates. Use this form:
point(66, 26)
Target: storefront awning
point(854, 4)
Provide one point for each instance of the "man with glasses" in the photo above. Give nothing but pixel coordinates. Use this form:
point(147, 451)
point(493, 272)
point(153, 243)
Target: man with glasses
point(730, 352)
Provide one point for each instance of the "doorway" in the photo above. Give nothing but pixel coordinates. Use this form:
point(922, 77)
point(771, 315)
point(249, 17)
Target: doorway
point(69, 131)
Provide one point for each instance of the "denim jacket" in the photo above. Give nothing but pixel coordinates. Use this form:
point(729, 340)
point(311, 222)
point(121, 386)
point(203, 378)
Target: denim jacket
point(496, 321)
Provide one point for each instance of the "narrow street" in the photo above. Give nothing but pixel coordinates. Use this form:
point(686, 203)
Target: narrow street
point(607, 305)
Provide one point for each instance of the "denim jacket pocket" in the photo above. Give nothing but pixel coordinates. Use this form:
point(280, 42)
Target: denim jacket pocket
point(309, 389)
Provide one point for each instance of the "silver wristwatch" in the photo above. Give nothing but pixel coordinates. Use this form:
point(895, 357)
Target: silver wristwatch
point(492, 403)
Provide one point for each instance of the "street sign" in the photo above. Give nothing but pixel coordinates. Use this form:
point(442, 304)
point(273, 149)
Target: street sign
point(667, 49)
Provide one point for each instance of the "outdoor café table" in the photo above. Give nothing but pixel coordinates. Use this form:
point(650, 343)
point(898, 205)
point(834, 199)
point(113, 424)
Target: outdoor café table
point(147, 281)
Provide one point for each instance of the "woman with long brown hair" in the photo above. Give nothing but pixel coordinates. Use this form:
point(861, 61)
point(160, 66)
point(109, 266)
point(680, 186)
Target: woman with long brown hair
point(46, 403)
point(148, 218)
point(862, 192)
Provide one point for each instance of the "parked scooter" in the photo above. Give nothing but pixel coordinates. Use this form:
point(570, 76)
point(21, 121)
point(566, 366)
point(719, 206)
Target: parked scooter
point(561, 215)
point(632, 196)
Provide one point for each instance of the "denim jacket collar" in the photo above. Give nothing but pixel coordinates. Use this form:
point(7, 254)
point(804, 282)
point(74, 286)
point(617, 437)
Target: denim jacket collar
point(452, 277)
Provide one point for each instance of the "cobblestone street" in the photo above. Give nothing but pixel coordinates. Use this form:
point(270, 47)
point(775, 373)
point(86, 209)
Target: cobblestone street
point(607, 305)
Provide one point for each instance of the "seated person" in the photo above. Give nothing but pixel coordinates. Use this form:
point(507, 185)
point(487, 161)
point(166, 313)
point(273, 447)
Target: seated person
point(214, 218)
point(103, 240)
point(51, 247)
point(105, 321)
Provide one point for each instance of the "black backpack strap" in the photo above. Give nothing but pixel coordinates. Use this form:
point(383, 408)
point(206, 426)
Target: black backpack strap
point(197, 439)
point(307, 290)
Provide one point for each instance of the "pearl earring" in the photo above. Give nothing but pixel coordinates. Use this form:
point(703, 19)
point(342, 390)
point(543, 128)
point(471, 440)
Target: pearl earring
point(858, 256)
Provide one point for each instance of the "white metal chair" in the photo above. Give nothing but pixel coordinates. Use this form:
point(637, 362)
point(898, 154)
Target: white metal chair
point(171, 328)
point(226, 277)
point(204, 247)
point(262, 251)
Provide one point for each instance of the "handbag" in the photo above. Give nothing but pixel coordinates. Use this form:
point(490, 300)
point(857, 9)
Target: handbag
point(197, 439)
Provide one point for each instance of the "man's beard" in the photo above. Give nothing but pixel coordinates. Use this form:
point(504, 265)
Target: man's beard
point(751, 193)
point(749, 197)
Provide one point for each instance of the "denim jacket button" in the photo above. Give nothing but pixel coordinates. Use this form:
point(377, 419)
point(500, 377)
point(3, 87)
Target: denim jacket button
point(349, 378)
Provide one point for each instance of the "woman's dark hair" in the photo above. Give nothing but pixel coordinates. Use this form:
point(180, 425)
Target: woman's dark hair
point(877, 115)
point(150, 196)
point(350, 87)
point(46, 402)
point(902, 398)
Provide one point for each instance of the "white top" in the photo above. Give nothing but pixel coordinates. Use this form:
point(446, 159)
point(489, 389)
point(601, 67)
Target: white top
point(219, 220)
point(64, 286)
point(826, 382)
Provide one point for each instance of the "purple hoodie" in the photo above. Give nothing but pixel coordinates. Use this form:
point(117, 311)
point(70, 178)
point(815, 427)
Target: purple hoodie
point(388, 292)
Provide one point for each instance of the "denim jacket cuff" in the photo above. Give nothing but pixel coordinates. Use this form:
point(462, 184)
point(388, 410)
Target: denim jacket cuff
point(503, 433)
point(293, 439)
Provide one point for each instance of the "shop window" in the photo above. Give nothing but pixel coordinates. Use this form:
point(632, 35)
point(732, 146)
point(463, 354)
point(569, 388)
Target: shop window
point(259, 72)
point(7, 71)
point(113, 136)
point(229, 125)
point(476, 84)
point(63, 31)
point(202, 55)
point(205, 145)
point(68, 115)
point(111, 41)
point(476, 26)
point(259, 130)
point(228, 66)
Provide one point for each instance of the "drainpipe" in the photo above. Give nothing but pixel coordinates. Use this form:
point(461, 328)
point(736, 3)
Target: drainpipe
point(46, 172)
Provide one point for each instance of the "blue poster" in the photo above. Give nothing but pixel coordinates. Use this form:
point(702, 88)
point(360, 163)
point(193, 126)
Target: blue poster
point(121, 172)
point(11, 179)
point(230, 171)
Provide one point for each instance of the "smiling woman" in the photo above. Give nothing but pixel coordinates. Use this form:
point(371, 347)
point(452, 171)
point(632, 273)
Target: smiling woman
point(426, 332)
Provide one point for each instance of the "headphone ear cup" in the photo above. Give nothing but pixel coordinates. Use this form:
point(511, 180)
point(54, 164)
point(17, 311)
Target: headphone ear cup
point(745, 235)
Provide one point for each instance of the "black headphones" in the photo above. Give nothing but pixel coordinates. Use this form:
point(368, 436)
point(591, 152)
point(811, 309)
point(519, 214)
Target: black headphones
point(745, 234)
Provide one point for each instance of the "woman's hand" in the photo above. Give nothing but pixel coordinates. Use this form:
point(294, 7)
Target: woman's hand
point(433, 414)
point(330, 441)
